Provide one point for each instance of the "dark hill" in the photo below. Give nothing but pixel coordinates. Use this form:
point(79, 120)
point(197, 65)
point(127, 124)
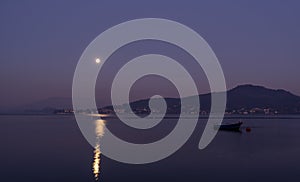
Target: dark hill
point(243, 97)
point(250, 96)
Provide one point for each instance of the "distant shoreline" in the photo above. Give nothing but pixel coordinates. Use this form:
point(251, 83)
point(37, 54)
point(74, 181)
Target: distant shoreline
point(170, 116)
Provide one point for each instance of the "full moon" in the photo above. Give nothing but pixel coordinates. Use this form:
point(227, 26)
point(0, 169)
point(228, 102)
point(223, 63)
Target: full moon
point(98, 60)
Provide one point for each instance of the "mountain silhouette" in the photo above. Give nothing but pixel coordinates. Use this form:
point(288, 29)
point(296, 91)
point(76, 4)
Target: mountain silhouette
point(250, 96)
point(241, 98)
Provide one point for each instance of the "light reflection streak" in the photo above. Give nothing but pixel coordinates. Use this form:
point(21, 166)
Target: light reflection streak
point(99, 131)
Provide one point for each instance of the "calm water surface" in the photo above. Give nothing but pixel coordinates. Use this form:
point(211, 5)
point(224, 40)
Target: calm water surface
point(52, 148)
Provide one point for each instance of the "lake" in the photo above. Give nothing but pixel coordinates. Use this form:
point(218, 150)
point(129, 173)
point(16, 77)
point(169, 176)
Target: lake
point(39, 148)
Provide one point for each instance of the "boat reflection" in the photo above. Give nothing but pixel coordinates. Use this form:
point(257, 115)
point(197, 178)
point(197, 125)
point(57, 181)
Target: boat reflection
point(99, 131)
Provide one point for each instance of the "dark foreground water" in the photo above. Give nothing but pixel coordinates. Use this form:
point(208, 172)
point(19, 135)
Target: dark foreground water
point(52, 148)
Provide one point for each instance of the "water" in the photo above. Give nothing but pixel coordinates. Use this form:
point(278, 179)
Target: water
point(51, 148)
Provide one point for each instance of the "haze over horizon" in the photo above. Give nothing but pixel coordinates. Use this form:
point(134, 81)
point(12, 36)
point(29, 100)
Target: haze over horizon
point(41, 43)
point(243, 93)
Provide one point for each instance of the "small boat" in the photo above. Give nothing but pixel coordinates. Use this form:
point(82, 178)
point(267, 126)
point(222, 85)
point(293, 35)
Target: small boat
point(230, 126)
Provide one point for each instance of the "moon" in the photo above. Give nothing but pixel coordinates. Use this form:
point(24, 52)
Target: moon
point(98, 60)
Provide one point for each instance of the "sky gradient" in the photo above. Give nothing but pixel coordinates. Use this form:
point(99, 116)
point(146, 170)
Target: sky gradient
point(41, 42)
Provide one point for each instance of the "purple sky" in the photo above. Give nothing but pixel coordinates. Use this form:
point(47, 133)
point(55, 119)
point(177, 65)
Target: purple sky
point(41, 42)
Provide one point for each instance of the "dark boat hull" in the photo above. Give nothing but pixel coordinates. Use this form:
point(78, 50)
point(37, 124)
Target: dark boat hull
point(230, 127)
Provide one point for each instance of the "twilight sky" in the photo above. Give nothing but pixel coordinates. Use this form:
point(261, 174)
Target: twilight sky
point(41, 41)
